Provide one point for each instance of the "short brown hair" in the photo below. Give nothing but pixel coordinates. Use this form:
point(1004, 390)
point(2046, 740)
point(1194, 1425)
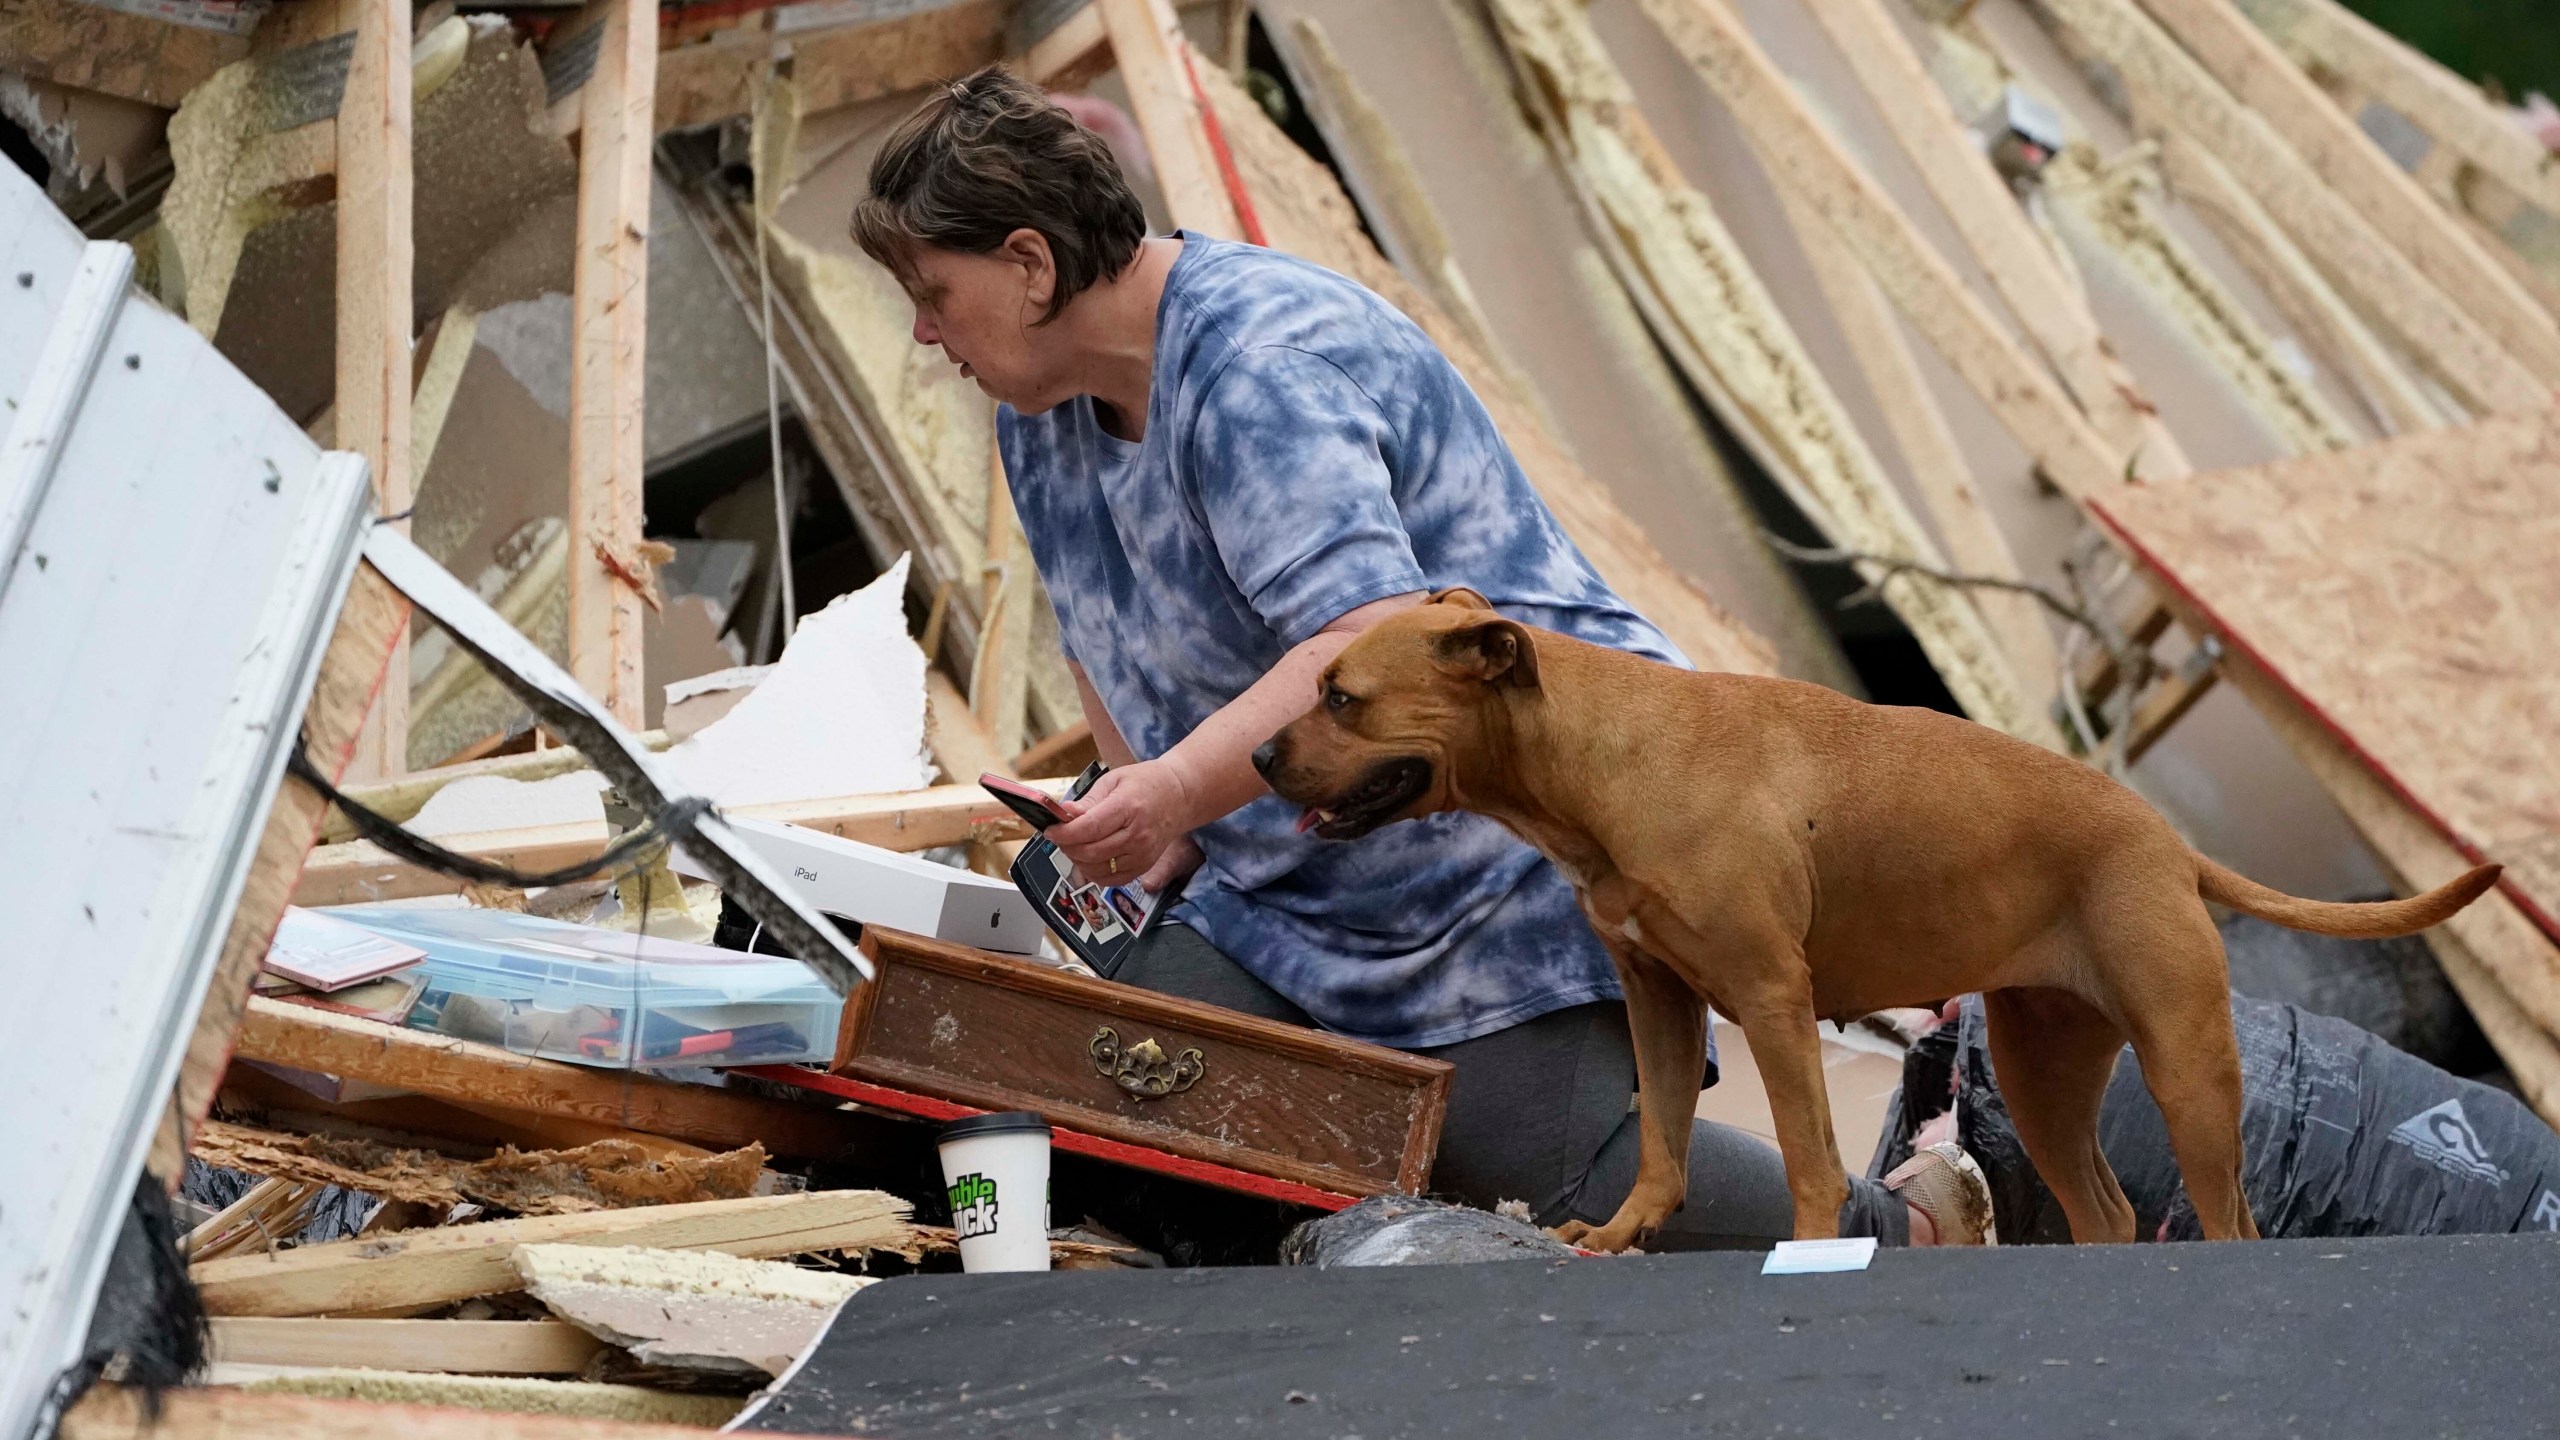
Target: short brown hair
point(989, 155)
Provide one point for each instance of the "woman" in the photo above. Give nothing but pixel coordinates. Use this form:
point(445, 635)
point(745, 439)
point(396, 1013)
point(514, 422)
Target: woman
point(1229, 463)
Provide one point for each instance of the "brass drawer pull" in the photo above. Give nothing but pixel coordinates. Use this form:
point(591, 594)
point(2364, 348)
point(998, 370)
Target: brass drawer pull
point(1143, 1069)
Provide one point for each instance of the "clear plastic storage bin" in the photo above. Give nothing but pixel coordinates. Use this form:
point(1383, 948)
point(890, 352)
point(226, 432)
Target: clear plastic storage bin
point(604, 997)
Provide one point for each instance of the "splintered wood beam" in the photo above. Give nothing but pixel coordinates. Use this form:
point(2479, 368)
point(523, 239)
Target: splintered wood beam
point(2099, 674)
point(1063, 755)
point(1000, 677)
point(608, 574)
point(2436, 100)
point(442, 358)
point(2171, 90)
point(1154, 63)
point(226, 1412)
point(359, 873)
point(2337, 149)
point(955, 735)
point(459, 1262)
point(300, 1037)
point(965, 750)
point(1801, 155)
point(2012, 253)
point(461, 1347)
point(886, 51)
point(1070, 56)
point(418, 1122)
point(268, 1211)
point(401, 799)
point(2170, 702)
point(374, 259)
point(355, 666)
point(1929, 449)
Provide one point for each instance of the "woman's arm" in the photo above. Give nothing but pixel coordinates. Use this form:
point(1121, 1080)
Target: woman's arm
point(1133, 816)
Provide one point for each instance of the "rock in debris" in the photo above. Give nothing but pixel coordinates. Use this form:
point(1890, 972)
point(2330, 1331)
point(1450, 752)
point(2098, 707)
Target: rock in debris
point(1401, 1230)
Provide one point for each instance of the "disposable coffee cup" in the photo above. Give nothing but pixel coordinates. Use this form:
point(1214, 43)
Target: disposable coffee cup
point(996, 1168)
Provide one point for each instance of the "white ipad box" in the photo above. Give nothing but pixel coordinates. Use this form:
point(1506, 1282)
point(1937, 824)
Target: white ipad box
point(882, 887)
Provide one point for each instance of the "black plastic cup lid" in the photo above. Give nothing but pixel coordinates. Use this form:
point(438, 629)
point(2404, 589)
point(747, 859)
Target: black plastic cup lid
point(1002, 1122)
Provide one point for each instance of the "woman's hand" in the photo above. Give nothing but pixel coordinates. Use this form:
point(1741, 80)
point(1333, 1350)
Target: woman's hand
point(1174, 866)
point(1131, 819)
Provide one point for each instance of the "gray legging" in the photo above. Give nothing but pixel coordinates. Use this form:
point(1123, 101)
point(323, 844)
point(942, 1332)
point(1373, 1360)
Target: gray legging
point(1539, 1113)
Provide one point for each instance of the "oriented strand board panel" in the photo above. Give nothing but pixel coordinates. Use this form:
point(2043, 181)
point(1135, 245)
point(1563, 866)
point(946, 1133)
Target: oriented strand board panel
point(2405, 593)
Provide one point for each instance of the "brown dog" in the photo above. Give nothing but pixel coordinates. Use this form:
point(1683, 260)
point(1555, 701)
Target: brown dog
point(1783, 853)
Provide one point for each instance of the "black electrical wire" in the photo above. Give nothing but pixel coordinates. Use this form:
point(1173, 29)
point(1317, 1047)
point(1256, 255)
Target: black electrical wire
point(667, 827)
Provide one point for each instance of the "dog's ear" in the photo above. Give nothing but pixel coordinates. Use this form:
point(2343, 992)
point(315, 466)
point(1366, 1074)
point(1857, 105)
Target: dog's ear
point(1496, 651)
point(1462, 597)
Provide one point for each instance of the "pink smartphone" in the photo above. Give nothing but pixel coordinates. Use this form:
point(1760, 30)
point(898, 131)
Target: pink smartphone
point(1037, 809)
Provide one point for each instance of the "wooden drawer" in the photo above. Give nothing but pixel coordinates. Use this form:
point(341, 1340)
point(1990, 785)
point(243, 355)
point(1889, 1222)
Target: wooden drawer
point(1128, 1064)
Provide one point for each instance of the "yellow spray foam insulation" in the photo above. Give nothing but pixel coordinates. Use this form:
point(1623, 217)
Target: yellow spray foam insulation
point(233, 172)
point(227, 169)
point(1677, 248)
point(1970, 75)
point(510, 1393)
point(943, 424)
point(2109, 205)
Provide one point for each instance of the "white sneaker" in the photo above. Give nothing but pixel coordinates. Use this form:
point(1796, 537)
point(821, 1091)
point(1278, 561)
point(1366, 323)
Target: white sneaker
point(1942, 1182)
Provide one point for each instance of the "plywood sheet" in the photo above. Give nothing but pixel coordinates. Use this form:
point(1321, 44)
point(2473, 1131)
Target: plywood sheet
point(2403, 592)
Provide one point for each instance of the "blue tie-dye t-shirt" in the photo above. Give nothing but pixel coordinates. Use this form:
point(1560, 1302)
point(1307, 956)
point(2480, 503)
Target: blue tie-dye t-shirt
point(1309, 450)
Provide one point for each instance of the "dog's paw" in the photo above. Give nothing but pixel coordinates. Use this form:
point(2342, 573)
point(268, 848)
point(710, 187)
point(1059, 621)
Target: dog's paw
point(1609, 1239)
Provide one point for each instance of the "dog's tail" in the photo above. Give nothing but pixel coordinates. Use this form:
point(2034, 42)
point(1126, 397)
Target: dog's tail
point(2379, 920)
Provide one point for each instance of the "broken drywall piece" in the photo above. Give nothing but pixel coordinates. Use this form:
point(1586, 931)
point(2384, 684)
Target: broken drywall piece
point(85, 135)
point(737, 678)
point(494, 802)
point(693, 705)
point(940, 421)
point(683, 640)
point(698, 1310)
point(842, 713)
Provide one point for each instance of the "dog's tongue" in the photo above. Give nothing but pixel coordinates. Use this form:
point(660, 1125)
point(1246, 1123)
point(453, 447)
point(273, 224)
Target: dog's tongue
point(1309, 820)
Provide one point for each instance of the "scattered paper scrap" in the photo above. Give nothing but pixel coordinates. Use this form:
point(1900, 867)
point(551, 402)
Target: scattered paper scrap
point(482, 803)
point(841, 713)
point(326, 953)
point(1819, 1257)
